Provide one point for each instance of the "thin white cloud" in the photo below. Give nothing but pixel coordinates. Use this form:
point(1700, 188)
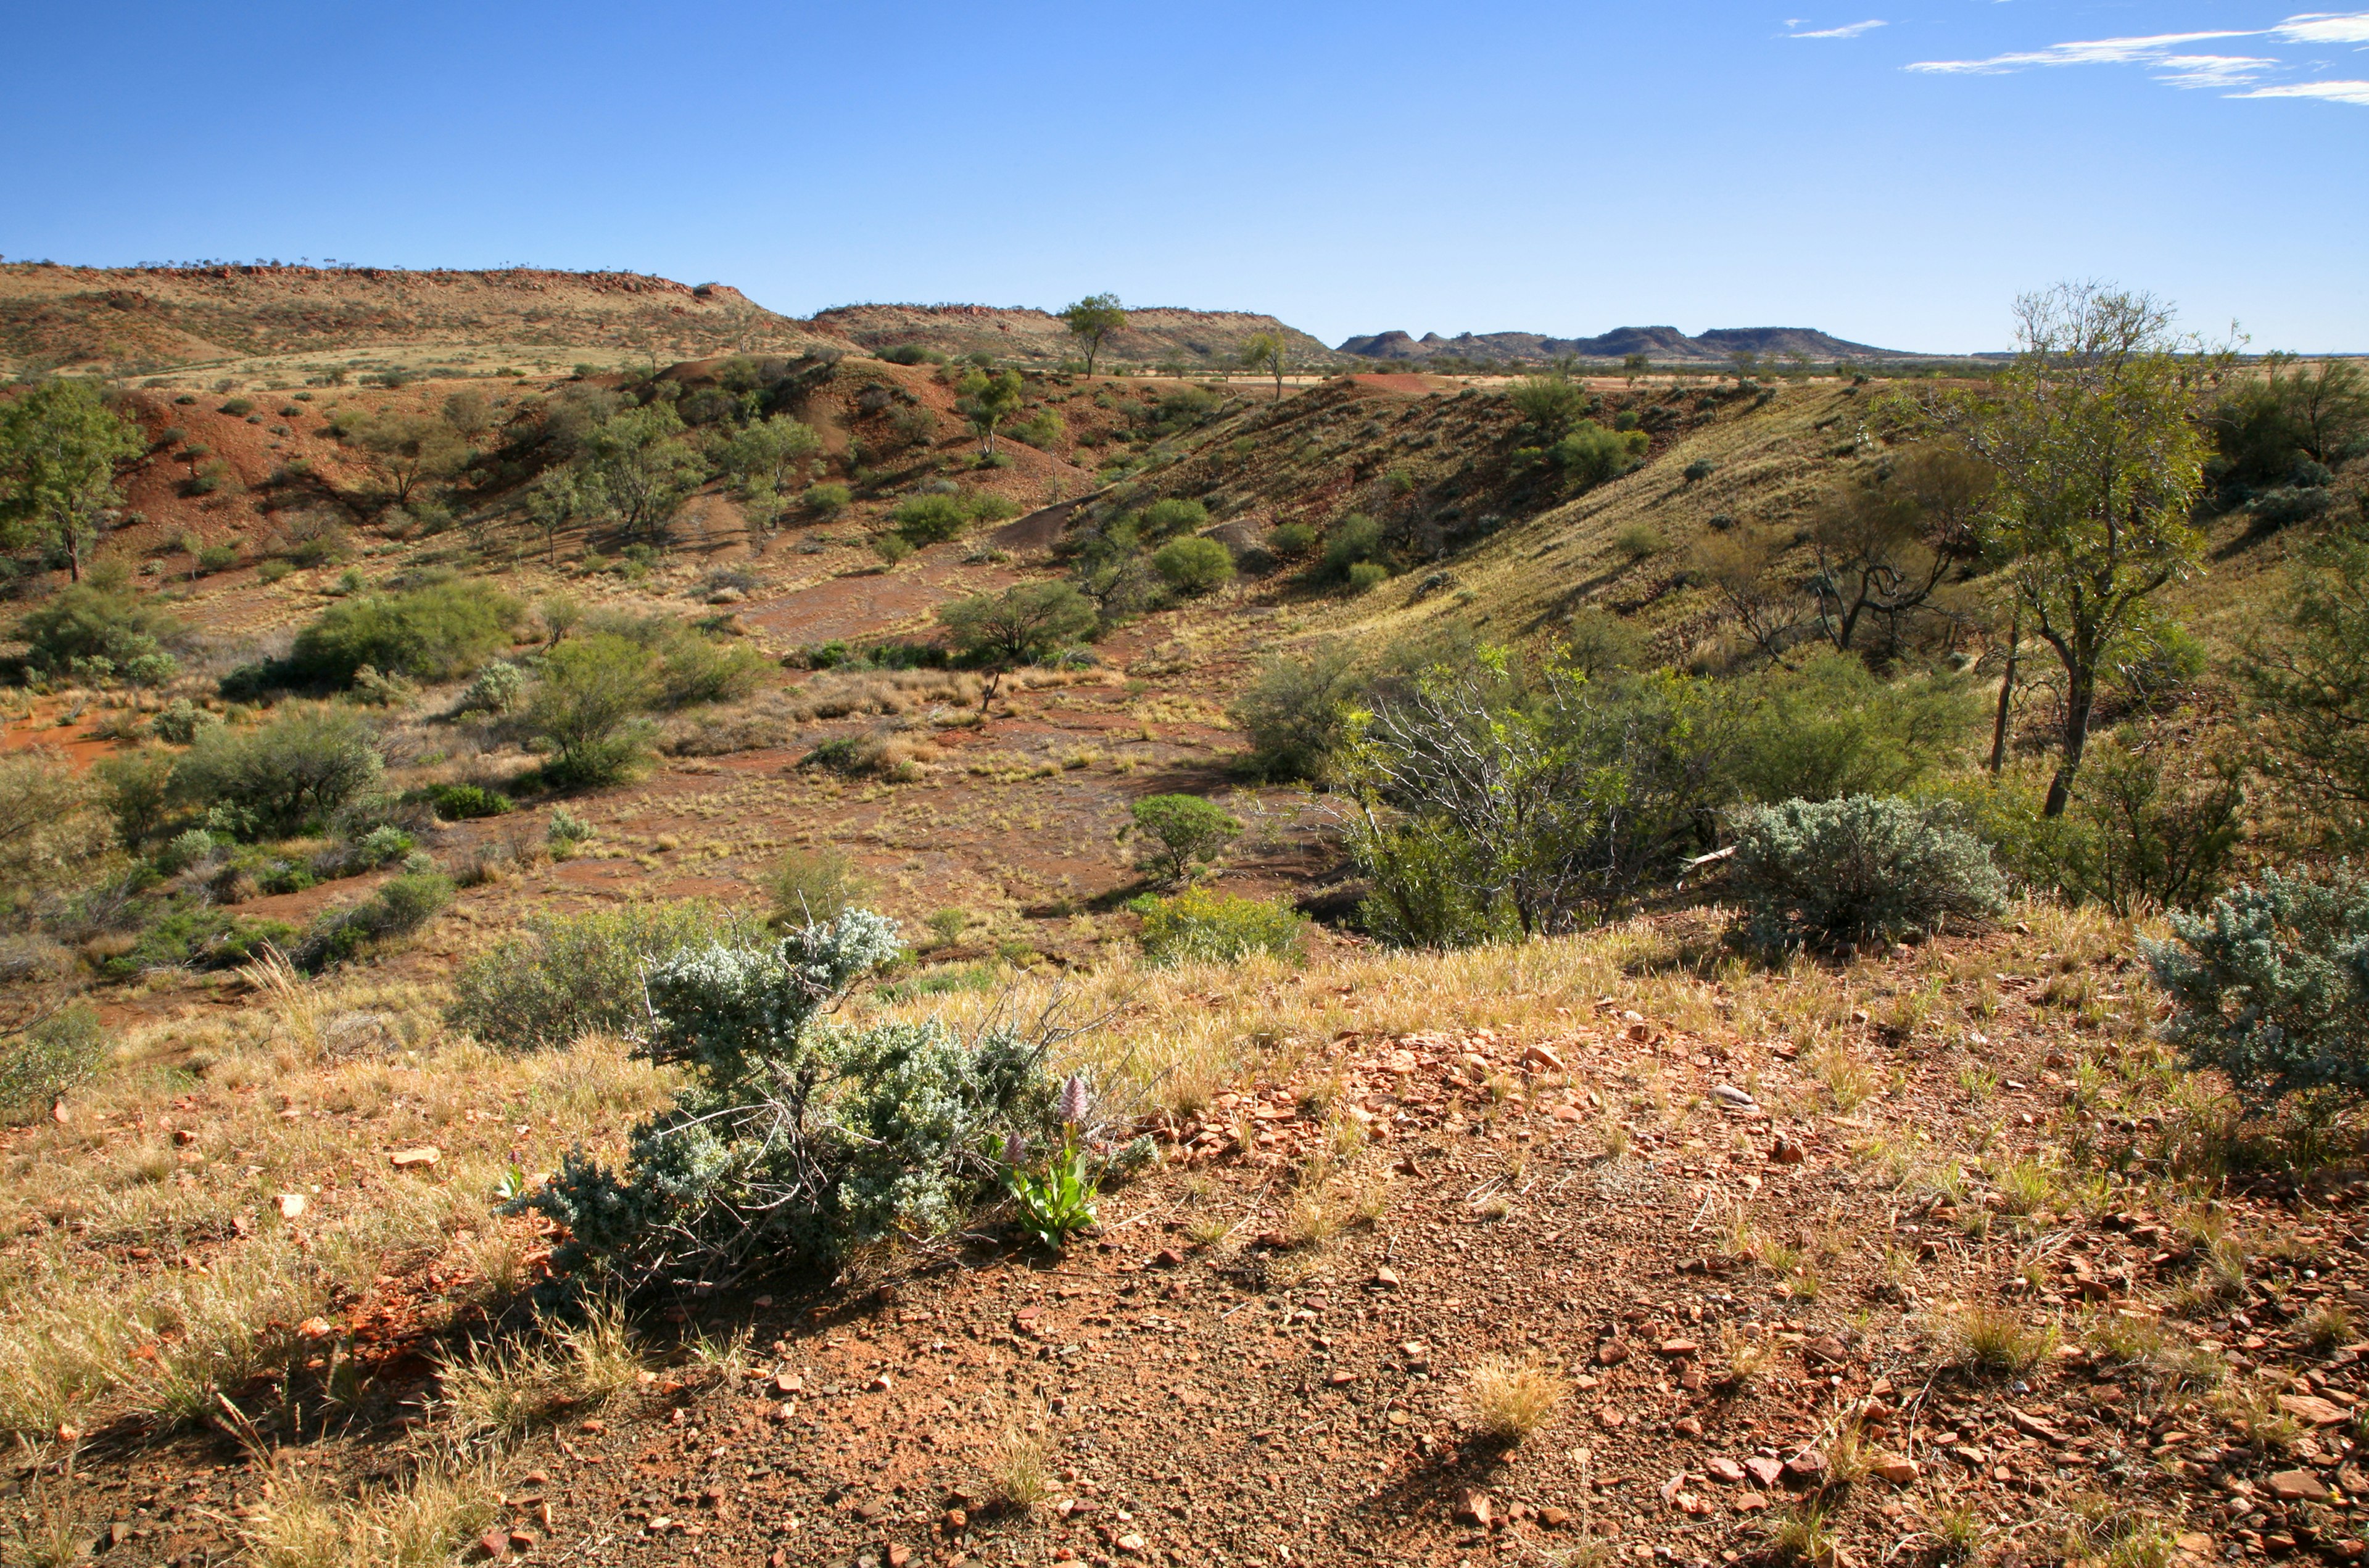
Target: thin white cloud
point(1848, 29)
point(2212, 69)
point(2333, 92)
point(2324, 27)
point(2095, 51)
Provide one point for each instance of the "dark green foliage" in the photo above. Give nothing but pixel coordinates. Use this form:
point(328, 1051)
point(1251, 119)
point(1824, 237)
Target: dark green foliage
point(563, 977)
point(912, 354)
point(88, 623)
point(2264, 429)
point(136, 787)
point(1163, 520)
point(459, 803)
point(402, 905)
point(1181, 834)
point(1199, 926)
point(1023, 622)
point(827, 500)
point(1194, 565)
point(1354, 540)
point(1293, 541)
point(1365, 576)
point(2311, 677)
point(1858, 870)
point(1552, 403)
point(275, 778)
point(931, 519)
point(2140, 839)
point(1831, 728)
point(2272, 985)
point(587, 708)
point(44, 1059)
point(794, 1140)
point(436, 632)
point(239, 407)
point(197, 936)
point(1591, 455)
point(1294, 713)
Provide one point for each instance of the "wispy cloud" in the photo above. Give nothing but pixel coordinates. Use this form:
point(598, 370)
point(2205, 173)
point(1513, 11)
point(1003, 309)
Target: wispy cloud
point(2212, 69)
point(2325, 27)
point(2174, 60)
point(2095, 51)
point(2334, 92)
point(1848, 29)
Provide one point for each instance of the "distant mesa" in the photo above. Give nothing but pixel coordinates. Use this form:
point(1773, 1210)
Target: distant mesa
point(1660, 344)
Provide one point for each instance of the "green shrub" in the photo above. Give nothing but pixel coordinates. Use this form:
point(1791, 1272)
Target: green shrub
point(1199, 926)
point(238, 408)
point(85, 621)
point(929, 519)
point(912, 354)
point(1355, 539)
point(1700, 469)
point(1831, 728)
point(893, 549)
point(1181, 834)
point(47, 1057)
point(816, 886)
point(564, 831)
point(794, 1142)
point(197, 937)
point(1164, 519)
point(274, 779)
point(694, 668)
point(151, 669)
point(402, 905)
point(563, 977)
point(1591, 455)
point(587, 708)
point(1860, 869)
point(431, 632)
point(217, 558)
point(1293, 541)
point(828, 501)
point(1638, 541)
point(2138, 838)
point(2271, 986)
point(459, 803)
point(1194, 565)
point(1431, 885)
point(136, 788)
point(1366, 575)
point(272, 571)
point(1294, 712)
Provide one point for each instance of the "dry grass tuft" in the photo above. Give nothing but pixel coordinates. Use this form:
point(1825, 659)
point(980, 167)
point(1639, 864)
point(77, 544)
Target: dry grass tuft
point(422, 1521)
point(1509, 1400)
point(1016, 1478)
point(506, 1391)
point(1992, 1341)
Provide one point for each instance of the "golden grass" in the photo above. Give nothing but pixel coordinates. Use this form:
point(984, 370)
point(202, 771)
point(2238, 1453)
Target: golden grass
point(423, 1520)
point(505, 1390)
point(1509, 1399)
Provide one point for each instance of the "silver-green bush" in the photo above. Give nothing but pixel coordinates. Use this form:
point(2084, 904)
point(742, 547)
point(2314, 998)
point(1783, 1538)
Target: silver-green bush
point(1866, 868)
point(795, 1139)
point(2270, 985)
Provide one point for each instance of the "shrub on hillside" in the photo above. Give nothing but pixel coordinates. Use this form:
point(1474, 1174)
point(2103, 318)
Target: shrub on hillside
point(1590, 455)
point(563, 977)
point(436, 632)
point(1181, 834)
point(1860, 869)
point(1832, 728)
point(1355, 539)
point(794, 1140)
point(587, 708)
point(1366, 577)
point(694, 668)
point(86, 623)
point(1194, 565)
point(828, 501)
point(499, 688)
point(274, 779)
point(402, 904)
point(461, 802)
point(2272, 985)
point(1294, 713)
point(1293, 541)
point(1199, 926)
point(46, 1057)
point(1164, 519)
point(929, 519)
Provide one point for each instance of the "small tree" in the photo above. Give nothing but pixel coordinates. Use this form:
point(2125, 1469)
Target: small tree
point(2312, 678)
point(1022, 623)
point(987, 400)
point(1268, 351)
point(1634, 365)
point(410, 449)
point(772, 454)
point(1553, 402)
point(640, 470)
point(54, 825)
point(1092, 319)
point(1194, 565)
point(2095, 436)
point(59, 447)
point(588, 706)
point(1183, 832)
point(1885, 544)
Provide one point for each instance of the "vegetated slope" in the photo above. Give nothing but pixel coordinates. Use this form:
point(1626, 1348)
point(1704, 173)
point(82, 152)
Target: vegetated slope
point(140, 318)
point(1661, 344)
point(1152, 334)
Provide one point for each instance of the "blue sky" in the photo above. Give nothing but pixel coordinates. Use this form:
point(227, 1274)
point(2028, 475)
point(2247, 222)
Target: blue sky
point(1894, 173)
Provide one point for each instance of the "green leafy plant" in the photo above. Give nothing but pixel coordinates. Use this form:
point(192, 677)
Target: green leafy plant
point(1194, 565)
point(1201, 926)
point(1056, 1204)
point(562, 977)
point(1181, 834)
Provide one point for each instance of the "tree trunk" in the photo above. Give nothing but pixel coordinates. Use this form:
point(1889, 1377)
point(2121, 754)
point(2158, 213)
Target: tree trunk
point(2080, 697)
point(2007, 692)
